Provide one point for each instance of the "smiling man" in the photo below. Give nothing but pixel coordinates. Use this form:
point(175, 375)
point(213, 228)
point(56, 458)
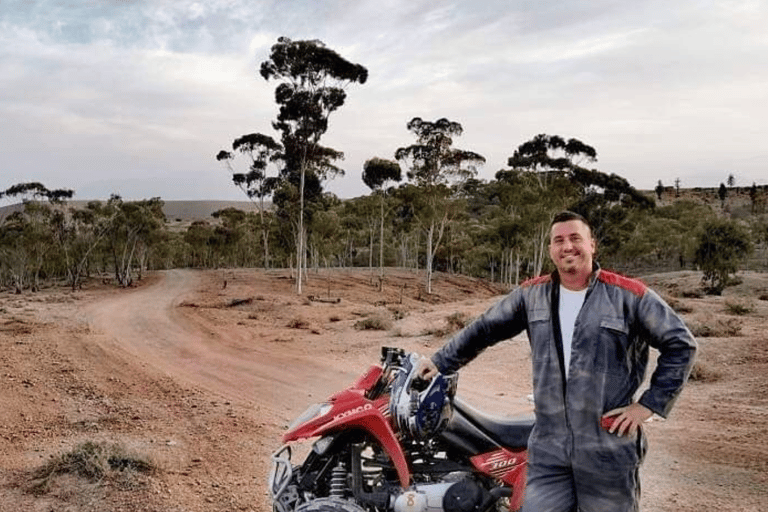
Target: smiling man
point(590, 331)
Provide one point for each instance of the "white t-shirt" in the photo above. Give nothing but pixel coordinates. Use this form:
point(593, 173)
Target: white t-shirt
point(570, 305)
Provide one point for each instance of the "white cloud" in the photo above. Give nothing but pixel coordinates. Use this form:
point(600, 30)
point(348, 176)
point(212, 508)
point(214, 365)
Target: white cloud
point(159, 87)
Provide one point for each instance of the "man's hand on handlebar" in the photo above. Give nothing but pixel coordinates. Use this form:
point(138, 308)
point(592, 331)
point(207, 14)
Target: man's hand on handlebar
point(427, 369)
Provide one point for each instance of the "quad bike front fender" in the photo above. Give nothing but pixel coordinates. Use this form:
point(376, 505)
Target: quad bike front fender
point(370, 417)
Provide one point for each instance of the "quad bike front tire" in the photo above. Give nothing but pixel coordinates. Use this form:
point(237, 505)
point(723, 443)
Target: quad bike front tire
point(330, 505)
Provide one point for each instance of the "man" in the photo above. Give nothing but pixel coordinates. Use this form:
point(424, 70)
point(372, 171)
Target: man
point(589, 331)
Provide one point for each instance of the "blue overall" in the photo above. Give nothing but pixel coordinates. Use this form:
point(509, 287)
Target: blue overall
point(574, 464)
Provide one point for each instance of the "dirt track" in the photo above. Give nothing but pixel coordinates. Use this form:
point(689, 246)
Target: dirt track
point(150, 325)
point(173, 371)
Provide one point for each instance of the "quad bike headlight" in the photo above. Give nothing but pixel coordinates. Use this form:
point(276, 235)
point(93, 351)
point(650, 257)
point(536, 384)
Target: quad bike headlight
point(312, 412)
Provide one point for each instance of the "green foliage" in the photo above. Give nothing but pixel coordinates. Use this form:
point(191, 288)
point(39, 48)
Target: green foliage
point(36, 190)
point(312, 81)
point(551, 153)
point(433, 166)
point(722, 244)
point(378, 171)
point(433, 161)
point(311, 86)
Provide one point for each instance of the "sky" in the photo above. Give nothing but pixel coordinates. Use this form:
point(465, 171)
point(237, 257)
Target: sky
point(136, 97)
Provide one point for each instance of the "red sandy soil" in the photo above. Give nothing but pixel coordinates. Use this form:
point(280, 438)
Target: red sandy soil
point(173, 371)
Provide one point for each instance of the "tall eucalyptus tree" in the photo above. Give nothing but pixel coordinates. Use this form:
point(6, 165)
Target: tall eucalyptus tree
point(312, 86)
point(261, 150)
point(377, 173)
point(434, 165)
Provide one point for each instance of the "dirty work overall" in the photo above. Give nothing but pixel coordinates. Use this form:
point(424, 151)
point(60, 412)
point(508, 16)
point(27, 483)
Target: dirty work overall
point(573, 463)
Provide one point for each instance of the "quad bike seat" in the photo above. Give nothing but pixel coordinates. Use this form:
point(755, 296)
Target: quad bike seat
point(480, 431)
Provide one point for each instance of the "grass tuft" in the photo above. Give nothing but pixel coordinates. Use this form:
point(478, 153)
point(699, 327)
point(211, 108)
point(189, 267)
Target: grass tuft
point(372, 323)
point(703, 372)
point(738, 308)
point(715, 328)
point(92, 461)
point(298, 323)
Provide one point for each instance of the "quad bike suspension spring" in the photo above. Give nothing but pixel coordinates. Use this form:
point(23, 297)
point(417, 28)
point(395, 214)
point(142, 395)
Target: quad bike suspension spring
point(338, 481)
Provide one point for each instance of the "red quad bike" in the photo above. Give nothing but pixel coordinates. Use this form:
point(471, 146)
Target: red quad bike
point(393, 442)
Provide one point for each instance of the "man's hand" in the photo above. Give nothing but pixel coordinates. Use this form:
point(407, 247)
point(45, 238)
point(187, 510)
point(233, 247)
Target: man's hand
point(427, 369)
point(628, 419)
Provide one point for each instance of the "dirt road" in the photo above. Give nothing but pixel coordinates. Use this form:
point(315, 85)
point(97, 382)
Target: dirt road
point(173, 369)
point(152, 325)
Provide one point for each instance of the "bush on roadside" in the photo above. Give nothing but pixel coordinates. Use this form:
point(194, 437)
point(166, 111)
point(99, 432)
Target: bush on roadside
point(703, 372)
point(715, 328)
point(298, 323)
point(94, 462)
point(678, 305)
point(739, 308)
point(372, 323)
point(457, 320)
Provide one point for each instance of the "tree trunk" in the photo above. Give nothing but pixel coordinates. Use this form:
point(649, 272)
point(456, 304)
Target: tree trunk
point(381, 239)
point(370, 252)
point(264, 233)
point(300, 249)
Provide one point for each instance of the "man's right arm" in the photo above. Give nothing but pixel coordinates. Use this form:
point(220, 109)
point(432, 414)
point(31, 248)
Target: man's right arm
point(503, 321)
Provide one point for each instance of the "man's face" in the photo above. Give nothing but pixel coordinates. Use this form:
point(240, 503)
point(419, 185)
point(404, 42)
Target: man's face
point(571, 247)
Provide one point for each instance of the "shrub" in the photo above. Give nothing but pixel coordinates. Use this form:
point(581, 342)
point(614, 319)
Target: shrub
point(397, 313)
point(92, 461)
point(692, 293)
point(453, 323)
point(717, 328)
point(703, 372)
point(457, 320)
point(298, 323)
point(372, 323)
point(738, 308)
point(678, 305)
point(722, 244)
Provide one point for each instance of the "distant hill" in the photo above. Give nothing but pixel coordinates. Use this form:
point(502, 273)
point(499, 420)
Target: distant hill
point(175, 211)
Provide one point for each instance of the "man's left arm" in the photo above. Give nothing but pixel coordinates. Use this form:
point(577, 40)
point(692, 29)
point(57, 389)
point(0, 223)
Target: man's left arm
point(677, 349)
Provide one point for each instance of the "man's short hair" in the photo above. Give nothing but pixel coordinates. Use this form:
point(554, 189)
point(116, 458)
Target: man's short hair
point(566, 215)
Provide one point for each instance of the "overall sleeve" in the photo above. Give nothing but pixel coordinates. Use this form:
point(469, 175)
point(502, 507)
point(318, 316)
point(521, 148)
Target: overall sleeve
point(668, 334)
point(502, 321)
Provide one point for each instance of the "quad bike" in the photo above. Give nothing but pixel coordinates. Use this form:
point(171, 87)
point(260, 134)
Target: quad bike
point(394, 442)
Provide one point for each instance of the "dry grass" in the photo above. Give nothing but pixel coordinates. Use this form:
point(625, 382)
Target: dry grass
point(373, 323)
point(680, 306)
point(714, 327)
point(739, 308)
point(298, 323)
point(702, 372)
point(453, 322)
point(95, 462)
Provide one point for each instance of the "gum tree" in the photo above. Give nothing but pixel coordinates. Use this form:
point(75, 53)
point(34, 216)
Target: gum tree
point(434, 165)
point(261, 151)
point(312, 80)
point(377, 173)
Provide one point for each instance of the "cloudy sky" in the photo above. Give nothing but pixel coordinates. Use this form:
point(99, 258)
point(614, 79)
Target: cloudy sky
point(136, 97)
